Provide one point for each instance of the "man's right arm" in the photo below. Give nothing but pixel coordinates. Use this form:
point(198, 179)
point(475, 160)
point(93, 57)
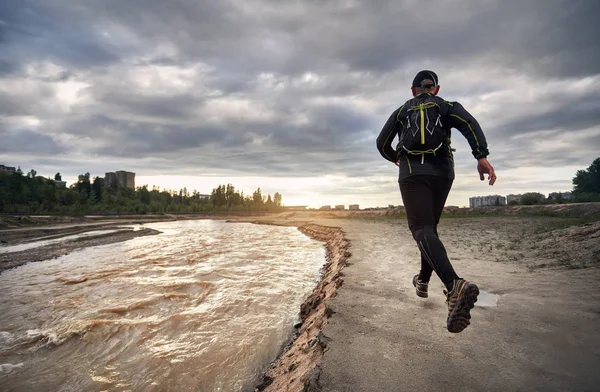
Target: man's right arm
point(384, 141)
point(469, 127)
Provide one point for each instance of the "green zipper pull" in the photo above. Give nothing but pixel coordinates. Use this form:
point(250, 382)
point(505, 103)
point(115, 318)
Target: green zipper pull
point(422, 125)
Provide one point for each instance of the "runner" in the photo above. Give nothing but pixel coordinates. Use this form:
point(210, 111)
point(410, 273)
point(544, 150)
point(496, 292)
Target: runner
point(424, 156)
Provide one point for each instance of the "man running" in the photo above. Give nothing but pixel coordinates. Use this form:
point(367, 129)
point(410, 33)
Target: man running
point(423, 125)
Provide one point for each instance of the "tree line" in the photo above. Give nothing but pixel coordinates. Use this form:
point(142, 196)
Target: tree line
point(32, 194)
point(586, 188)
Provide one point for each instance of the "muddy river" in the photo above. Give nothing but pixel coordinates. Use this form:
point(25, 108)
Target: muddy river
point(204, 306)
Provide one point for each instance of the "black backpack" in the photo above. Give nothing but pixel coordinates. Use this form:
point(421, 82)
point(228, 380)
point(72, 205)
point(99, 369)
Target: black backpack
point(423, 131)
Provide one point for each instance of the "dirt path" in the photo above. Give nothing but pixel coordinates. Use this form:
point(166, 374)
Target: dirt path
point(543, 335)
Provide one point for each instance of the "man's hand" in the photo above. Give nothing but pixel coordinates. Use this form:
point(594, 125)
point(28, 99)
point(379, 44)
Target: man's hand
point(484, 167)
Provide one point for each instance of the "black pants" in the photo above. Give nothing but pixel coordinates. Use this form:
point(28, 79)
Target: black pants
point(424, 198)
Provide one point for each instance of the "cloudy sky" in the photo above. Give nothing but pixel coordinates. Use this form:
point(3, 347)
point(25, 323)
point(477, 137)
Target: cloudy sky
point(290, 95)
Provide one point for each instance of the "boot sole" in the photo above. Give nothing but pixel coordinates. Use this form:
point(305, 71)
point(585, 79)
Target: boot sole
point(422, 294)
point(460, 318)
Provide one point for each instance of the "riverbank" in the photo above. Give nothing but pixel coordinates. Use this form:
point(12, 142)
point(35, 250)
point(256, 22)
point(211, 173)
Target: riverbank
point(298, 367)
point(532, 243)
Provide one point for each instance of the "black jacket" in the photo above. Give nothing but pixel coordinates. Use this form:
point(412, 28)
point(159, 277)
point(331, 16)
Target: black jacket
point(453, 115)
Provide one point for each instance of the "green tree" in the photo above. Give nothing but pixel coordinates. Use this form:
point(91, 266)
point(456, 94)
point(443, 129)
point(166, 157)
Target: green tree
point(257, 197)
point(532, 198)
point(218, 196)
point(230, 195)
point(144, 194)
point(588, 181)
point(277, 199)
point(57, 177)
point(98, 188)
point(83, 186)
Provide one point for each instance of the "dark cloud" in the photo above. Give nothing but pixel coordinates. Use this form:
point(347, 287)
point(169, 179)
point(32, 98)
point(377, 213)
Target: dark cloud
point(54, 31)
point(27, 141)
point(284, 88)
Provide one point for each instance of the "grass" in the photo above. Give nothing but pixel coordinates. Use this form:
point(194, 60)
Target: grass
point(462, 216)
point(563, 223)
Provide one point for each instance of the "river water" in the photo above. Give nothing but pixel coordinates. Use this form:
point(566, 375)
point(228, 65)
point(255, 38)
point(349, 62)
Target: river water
point(204, 306)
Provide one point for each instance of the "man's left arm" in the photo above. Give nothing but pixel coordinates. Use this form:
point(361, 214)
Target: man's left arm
point(386, 137)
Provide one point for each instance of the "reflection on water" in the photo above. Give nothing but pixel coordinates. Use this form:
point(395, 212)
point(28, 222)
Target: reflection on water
point(202, 307)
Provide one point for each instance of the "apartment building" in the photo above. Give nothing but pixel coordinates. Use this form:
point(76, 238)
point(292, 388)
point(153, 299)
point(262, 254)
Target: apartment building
point(7, 169)
point(482, 201)
point(120, 179)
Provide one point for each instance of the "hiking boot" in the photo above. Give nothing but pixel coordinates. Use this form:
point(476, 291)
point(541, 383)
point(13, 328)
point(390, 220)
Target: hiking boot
point(421, 287)
point(460, 301)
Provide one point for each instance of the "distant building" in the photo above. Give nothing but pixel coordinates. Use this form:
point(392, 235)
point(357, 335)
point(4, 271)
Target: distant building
point(353, 207)
point(482, 201)
point(325, 208)
point(110, 180)
point(295, 208)
point(60, 184)
point(120, 179)
point(340, 207)
point(561, 196)
point(204, 197)
point(126, 179)
point(7, 169)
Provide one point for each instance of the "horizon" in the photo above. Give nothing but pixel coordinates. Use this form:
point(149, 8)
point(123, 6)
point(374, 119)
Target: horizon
point(290, 97)
point(169, 184)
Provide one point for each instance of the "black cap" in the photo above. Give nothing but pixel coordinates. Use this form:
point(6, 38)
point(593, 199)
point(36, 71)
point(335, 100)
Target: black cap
point(427, 77)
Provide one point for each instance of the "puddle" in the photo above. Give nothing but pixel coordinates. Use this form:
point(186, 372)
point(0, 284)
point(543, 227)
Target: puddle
point(486, 299)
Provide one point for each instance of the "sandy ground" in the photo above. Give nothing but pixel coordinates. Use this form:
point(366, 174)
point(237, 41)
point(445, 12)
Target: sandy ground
point(377, 335)
point(542, 335)
point(365, 330)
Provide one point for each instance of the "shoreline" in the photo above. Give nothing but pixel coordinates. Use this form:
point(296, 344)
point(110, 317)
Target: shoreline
point(297, 368)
